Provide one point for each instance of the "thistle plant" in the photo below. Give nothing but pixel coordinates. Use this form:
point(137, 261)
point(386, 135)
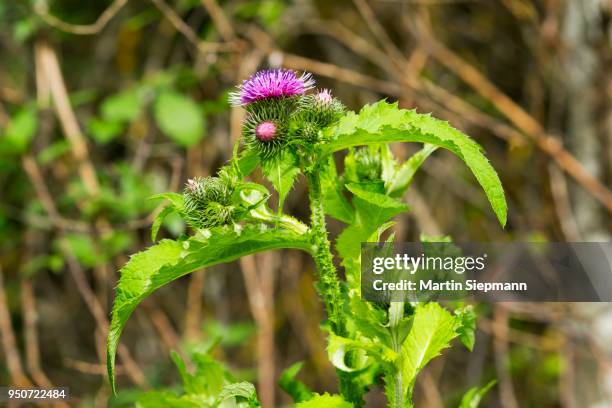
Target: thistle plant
point(292, 129)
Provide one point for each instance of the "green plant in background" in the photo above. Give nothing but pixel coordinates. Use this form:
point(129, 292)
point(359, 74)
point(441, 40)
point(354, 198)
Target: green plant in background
point(288, 132)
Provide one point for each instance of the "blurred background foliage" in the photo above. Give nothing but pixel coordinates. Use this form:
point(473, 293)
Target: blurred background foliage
point(105, 103)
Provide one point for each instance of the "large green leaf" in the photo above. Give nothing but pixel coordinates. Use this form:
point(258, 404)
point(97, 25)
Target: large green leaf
point(180, 118)
point(383, 122)
point(432, 330)
point(169, 260)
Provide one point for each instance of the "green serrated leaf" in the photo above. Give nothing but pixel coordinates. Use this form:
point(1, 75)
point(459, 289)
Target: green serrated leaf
point(281, 171)
point(296, 389)
point(325, 401)
point(169, 260)
point(432, 330)
point(244, 390)
point(180, 118)
point(383, 122)
point(473, 397)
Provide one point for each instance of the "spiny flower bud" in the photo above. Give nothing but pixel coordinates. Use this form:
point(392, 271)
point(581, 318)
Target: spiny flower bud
point(265, 131)
point(207, 202)
point(265, 128)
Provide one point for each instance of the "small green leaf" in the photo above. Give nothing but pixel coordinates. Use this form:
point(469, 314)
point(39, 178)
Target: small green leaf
point(83, 248)
point(122, 107)
point(180, 118)
point(295, 388)
point(383, 122)
point(247, 162)
point(397, 183)
point(473, 397)
point(467, 328)
point(21, 130)
point(432, 330)
point(373, 209)
point(335, 203)
point(281, 171)
point(176, 199)
point(159, 219)
point(325, 401)
point(103, 131)
point(169, 260)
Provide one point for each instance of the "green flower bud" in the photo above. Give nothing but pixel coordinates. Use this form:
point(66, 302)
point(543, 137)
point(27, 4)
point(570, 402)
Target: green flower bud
point(208, 201)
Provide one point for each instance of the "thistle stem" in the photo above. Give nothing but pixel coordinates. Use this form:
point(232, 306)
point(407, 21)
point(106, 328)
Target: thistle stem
point(330, 289)
point(329, 283)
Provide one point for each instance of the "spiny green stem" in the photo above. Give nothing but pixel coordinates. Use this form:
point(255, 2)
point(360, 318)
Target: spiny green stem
point(329, 282)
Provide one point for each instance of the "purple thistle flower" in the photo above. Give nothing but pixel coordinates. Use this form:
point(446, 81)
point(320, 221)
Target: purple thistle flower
point(265, 131)
point(272, 83)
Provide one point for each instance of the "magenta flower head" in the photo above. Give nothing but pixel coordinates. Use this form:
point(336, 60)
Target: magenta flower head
point(271, 84)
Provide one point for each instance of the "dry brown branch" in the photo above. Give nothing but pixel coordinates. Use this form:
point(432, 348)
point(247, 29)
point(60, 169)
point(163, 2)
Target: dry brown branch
point(193, 314)
point(188, 33)
point(30, 317)
point(9, 345)
point(430, 389)
point(516, 114)
point(162, 325)
point(220, 20)
point(259, 283)
point(343, 74)
point(565, 215)
point(500, 346)
point(380, 33)
point(42, 9)
point(47, 59)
